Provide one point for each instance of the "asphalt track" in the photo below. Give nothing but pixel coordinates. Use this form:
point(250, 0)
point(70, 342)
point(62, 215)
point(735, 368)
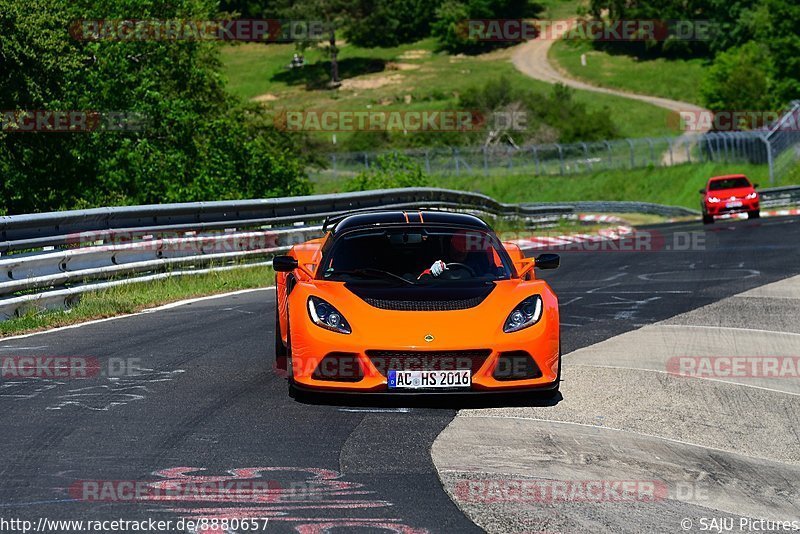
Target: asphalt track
point(205, 400)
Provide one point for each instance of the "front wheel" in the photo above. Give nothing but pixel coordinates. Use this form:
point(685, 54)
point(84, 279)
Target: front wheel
point(755, 214)
point(708, 219)
point(280, 348)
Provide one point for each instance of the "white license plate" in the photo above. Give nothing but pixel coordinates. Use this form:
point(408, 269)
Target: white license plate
point(429, 379)
point(733, 205)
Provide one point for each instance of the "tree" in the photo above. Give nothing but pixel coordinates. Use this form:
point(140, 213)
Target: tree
point(200, 143)
point(386, 23)
point(775, 24)
point(452, 16)
point(739, 80)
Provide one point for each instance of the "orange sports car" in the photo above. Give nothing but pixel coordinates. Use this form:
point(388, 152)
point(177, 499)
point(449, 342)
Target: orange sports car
point(400, 302)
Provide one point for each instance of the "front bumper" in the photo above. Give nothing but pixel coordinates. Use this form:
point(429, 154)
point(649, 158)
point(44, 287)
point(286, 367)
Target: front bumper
point(721, 208)
point(385, 393)
point(360, 371)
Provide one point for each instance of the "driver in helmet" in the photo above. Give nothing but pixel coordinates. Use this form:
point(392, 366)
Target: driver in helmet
point(460, 246)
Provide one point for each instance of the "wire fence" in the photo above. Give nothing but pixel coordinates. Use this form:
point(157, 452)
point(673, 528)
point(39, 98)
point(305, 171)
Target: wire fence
point(777, 147)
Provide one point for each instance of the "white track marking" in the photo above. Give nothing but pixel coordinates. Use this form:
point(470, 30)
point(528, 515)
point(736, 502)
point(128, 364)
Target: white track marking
point(143, 312)
point(669, 325)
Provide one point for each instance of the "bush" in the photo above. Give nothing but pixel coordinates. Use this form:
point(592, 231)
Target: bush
point(389, 171)
point(738, 80)
point(557, 112)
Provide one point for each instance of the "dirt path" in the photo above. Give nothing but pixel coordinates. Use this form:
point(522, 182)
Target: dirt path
point(531, 58)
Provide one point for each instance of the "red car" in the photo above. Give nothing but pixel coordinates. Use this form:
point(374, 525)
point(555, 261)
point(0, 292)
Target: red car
point(732, 193)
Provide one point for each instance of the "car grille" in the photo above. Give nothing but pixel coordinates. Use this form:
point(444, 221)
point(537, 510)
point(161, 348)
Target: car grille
point(386, 360)
point(425, 305)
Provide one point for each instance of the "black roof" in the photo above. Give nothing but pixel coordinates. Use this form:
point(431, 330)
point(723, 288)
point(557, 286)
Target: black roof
point(366, 219)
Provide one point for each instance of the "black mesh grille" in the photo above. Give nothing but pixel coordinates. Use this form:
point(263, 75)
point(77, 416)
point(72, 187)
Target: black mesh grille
point(386, 360)
point(516, 365)
point(339, 366)
point(425, 305)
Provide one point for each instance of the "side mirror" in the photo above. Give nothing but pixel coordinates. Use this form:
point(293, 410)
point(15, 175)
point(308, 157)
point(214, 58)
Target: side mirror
point(756, 185)
point(284, 264)
point(702, 191)
point(548, 261)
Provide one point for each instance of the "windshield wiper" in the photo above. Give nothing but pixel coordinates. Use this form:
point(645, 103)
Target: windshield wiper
point(374, 273)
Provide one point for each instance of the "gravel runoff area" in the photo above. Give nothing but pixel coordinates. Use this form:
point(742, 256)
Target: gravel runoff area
point(716, 446)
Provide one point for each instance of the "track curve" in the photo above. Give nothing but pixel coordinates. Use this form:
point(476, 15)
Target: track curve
point(206, 400)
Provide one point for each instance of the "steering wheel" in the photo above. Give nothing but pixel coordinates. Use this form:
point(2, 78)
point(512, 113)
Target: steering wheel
point(463, 266)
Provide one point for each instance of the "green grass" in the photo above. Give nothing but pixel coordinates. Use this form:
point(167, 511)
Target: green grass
point(131, 298)
point(669, 78)
point(677, 185)
point(560, 9)
point(409, 77)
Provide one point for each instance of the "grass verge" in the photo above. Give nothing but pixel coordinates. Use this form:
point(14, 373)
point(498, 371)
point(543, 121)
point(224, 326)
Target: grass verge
point(132, 298)
point(677, 185)
point(668, 78)
point(409, 77)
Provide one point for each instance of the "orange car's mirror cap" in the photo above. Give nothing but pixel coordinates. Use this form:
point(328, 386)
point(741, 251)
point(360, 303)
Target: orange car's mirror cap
point(284, 264)
point(548, 261)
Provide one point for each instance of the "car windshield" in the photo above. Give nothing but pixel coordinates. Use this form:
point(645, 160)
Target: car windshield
point(404, 256)
point(728, 183)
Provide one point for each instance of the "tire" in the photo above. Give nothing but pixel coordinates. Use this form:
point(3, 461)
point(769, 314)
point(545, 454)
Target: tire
point(555, 391)
point(293, 392)
point(280, 348)
point(755, 214)
point(708, 219)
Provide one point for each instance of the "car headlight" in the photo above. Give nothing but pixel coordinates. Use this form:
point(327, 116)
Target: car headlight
point(713, 200)
point(527, 313)
point(751, 196)
point(325, 315)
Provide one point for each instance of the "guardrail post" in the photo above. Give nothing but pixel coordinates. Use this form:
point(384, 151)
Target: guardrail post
point(770, 161)
point(652, 151)
point(725, 147)
point(586, 153)
point(610, 155)
point(633, 154)
point(560, 158)
point(536, 159)
point(671, 157)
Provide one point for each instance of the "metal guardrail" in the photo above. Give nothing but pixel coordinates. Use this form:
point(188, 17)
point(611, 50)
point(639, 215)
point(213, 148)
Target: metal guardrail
point(49, 259)
point(780, 196)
